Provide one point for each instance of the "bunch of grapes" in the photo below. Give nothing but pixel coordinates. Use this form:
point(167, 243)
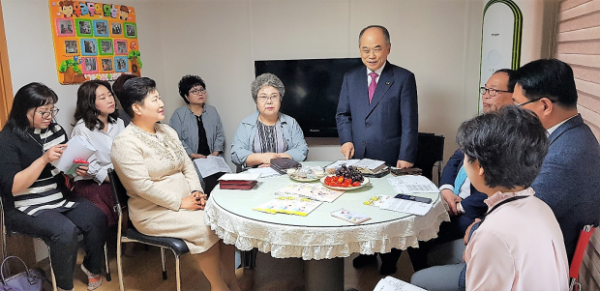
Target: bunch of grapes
point(350, 173)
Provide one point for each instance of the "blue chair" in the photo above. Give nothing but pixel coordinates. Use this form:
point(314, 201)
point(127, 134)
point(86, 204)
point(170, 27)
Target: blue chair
point(177, 246)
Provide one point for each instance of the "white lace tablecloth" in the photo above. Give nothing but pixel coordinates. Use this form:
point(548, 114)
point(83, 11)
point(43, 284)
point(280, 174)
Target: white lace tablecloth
point(318, 235)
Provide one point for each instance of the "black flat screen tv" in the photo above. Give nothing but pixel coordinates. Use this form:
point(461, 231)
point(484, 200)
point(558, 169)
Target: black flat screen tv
point(312, 90)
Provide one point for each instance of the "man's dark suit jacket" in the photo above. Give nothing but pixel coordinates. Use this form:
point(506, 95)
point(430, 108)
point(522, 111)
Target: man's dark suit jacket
point(387, 128)
point(569, 181)
point(473, 205)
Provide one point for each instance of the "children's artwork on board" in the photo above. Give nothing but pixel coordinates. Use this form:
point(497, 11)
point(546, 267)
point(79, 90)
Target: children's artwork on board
point(94, 41)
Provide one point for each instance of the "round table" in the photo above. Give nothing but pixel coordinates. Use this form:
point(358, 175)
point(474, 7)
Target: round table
point(319, 238)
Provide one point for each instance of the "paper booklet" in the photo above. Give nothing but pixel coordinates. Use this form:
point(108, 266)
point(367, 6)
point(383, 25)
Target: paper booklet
point(77, 148)
point(377, 200)
point(392, 284)
point(350, 216)
point(289, 205)
point(405, 206)
point(412, 184)
point(312, 191)
point(388, 202)
point(212, 165)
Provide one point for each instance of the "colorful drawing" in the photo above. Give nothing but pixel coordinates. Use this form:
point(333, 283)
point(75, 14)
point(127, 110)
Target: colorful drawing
point(94, 41)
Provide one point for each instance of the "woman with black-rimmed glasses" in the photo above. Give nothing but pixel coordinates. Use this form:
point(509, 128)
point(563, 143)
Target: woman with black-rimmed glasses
point(35, 194)
point(198, 125)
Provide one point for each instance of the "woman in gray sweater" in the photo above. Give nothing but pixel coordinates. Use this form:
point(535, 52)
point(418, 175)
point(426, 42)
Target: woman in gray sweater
point(198, 125)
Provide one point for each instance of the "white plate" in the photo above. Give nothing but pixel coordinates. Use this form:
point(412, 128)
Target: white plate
point(293, 177)
point(364, 183)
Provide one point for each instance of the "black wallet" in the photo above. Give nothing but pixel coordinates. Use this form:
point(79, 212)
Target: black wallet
point(282, 164)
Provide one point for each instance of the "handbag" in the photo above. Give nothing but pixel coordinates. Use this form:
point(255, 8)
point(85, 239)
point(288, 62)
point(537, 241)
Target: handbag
point(282, 164)
point(28, 280)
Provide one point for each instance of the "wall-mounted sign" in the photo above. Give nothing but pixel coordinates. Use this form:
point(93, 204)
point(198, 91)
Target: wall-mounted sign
point(94, 41)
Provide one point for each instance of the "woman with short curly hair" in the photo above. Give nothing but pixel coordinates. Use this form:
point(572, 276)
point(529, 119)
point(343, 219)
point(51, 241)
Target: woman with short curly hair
point(267, 133)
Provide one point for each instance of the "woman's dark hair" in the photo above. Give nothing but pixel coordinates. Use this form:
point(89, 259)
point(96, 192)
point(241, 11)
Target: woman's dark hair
point(548, 78)
point(186, 84)
point(117, 86)
point(32, 95)
point(135, 91)
point(86, 104)
point(509, 144)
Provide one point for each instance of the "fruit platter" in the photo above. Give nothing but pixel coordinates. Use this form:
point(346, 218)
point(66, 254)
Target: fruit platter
point(345, 178)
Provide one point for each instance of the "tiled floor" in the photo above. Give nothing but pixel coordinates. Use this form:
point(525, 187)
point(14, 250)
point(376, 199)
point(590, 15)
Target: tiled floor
point(143, 272)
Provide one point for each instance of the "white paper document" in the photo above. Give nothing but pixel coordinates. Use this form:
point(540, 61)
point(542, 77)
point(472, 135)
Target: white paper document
point(392, 284)
point(264, 172)
point(240, 177)
point(212, 165)
point(77, 148)
point(412, 184)
point(405, 206)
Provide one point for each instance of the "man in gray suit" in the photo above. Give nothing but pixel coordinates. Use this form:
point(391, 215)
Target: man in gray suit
point(570, 178)
point(377, 115)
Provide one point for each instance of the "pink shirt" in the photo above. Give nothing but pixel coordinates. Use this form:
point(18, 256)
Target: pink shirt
point(518, 247)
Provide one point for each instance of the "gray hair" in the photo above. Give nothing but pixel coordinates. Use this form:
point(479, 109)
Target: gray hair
point(386, 33)
point(267, 79)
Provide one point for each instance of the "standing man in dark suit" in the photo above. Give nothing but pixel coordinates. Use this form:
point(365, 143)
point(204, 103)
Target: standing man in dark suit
point(570, 178)
point(377, 115)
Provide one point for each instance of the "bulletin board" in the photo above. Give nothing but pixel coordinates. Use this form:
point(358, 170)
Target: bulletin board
point(94, 41)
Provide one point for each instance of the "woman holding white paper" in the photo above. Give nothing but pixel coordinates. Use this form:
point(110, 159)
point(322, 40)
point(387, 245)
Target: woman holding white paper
point(34, 192)
point(98, 122)
point(198, 125)
point(166, 198)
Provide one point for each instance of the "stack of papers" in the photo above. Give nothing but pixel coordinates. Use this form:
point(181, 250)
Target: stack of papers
point(312, 191)
point(392, 284)
point(289, 205)
point(212, 165)
point(412, 184)
point(265, 172)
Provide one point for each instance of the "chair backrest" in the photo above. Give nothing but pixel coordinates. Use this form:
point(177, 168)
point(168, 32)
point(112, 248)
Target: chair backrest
point(582, 243)
point(119, 192)
point(430, 150)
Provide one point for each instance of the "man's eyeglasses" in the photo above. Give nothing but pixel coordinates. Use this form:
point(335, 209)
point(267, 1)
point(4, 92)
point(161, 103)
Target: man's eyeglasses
point(533, 100)
point(46, 114)
point(491, 92)
point(197, 91)
point(263, 99)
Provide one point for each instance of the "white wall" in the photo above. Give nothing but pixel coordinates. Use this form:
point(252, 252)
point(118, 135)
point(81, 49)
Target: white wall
point(219, 40)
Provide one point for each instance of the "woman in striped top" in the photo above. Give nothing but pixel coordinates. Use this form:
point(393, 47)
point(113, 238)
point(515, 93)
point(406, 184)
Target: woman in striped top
point(34, 191)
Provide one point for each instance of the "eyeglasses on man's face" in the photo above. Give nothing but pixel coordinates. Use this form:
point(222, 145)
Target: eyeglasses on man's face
point(490, 91)
point(47, 114)
point(263, 98)
point(197, 91)
point(531, 101)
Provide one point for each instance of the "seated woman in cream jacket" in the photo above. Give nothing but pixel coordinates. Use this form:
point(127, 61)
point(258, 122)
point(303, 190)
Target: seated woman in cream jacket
point(166, 198)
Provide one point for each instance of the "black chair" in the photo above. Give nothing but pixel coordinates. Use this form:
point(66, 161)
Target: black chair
point(430, 152)
point(177, 246)
point(6, 232)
